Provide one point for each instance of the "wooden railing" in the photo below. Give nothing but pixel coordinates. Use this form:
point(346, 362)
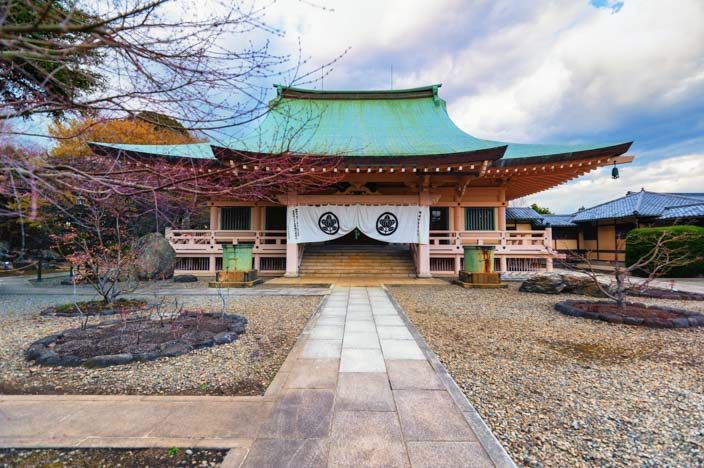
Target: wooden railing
point(204, 241)
point(452, 242)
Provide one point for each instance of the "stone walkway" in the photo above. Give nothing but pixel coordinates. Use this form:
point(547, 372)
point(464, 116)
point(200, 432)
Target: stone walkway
point(360, 391)
point(359, 388)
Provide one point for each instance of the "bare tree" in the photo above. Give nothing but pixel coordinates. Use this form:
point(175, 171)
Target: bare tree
point(209, 62)
point(663, 255)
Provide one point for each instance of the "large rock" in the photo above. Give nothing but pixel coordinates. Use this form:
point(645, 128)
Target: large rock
point(582, 284)
point(545, 283)
point(567, 283)
point(156, 258)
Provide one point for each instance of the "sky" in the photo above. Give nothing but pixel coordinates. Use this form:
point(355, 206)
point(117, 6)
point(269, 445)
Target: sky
point(539, 71)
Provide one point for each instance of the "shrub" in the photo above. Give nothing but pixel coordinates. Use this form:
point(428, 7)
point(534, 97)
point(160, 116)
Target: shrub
point(690, 239)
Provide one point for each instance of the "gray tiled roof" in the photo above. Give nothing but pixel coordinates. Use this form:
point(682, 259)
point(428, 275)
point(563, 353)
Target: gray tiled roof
point(687, 211)
point(521, 213)
point(697, 195)
point(641, 204)
point(556, 221)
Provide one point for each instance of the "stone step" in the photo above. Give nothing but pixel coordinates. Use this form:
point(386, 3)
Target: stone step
point(358, 275)
point(357, 262)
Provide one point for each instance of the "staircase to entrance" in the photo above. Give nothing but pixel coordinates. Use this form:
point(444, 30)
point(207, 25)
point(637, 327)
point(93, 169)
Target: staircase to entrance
point(357, 261)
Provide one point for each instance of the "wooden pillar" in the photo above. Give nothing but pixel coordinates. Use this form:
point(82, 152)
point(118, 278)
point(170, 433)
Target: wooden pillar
point(214, 218)
point(503, 264)
point(256, 219)
point(459, 218)
point(424, 261)
point(211, 265)
point(502, 218)
point(291, 260)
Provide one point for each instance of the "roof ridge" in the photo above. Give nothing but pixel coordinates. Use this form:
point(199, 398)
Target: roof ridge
point(639, 202)
point(628, 194)
point(291, 92)
point(672, 194)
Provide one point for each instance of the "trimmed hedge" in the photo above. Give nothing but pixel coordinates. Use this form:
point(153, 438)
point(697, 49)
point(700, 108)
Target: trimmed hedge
point(640, 241)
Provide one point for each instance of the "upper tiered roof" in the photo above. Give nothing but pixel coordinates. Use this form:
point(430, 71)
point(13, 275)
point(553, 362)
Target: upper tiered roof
point(386, 126)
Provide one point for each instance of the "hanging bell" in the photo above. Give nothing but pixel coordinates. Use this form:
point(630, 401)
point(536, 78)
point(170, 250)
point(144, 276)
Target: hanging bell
point(614, 172)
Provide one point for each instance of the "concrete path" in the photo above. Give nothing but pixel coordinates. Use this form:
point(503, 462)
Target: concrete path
point(359, 388)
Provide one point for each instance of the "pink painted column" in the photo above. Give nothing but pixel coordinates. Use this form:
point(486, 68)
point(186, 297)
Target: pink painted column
point(424, 261)
point(214, 218)
point(291, 261)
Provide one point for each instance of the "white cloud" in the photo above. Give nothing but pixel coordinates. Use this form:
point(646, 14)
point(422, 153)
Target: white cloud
point(596, 68)
point(518, 71)
point(676, 174)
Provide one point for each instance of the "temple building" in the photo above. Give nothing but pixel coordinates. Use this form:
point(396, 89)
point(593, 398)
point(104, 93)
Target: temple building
point(599, 232)
point(414, 189)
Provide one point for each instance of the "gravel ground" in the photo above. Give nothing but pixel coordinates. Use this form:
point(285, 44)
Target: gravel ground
point(110, 458)
point(245, 367)
point(565, 391)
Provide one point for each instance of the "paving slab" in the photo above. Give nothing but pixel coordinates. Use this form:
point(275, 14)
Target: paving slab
point(389, 320)
point(288, 453)
point(366, 438)
point(401, 349)
point(362, 360)
point(431, 415)
point(393, 333)
point(300, 414)
point(361, 340)
point(363, 326)
point(314, 373)
point(327, 332)
point(447, 455)
point(317, 349)
point(358, 391)
point(412, 375)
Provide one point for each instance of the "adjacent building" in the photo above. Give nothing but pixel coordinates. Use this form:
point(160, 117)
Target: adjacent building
point(600, 231)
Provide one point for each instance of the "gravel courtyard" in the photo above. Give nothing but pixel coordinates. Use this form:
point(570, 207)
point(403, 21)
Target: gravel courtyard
point(558, 390)
point(245, 367)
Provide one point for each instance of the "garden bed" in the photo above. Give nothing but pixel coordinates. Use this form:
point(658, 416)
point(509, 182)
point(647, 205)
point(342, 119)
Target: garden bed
point(632, 313)
point(119, 342)
point(93, 308)
point(110, 457)
point(243, 367)
point(561, 391)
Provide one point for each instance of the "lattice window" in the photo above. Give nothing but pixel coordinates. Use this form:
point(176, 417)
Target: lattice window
point(442, 264)
point(193, 263)
point(479, 219)
point(272, 264)
point(236, 218)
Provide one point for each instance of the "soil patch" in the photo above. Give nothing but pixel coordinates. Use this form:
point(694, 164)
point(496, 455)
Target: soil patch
point(55, 458)
point(632, 314)
point(117, 342)
point(94, 308)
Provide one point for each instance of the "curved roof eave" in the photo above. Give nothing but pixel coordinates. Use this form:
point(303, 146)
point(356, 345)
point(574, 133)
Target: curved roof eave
point(490, 154)
point(568, 154)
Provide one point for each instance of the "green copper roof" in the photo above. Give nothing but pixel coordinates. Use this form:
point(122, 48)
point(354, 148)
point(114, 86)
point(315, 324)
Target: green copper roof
point(390, 123)
point(373, 123)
